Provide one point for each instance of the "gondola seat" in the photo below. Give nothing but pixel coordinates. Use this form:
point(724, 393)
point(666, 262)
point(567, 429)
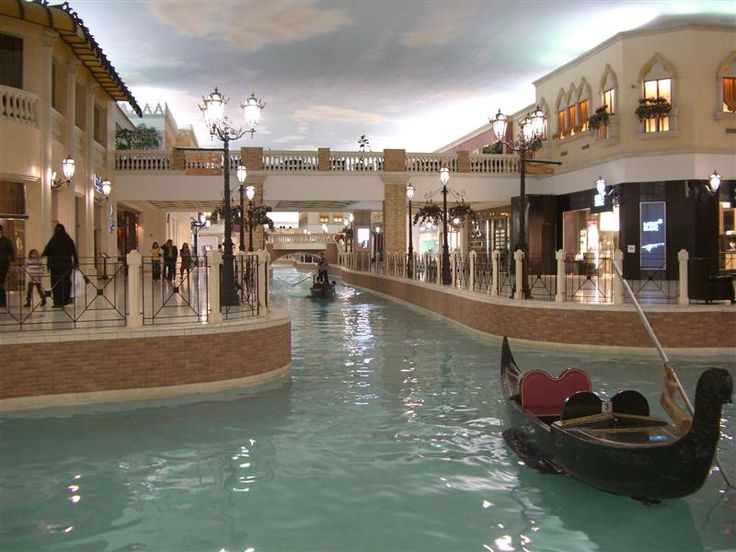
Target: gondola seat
point(543, 396)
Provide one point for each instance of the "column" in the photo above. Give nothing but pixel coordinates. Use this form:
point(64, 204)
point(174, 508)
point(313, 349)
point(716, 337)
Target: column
point(67, 215)
point(561, 281)
point(495, 258)
point(43, 223)
point(263, 258)
point(135, 293)
point(395, 212)
point(682, 257)
point(519, 259)
point(86, 246)
point(618, 285)
point(214, 260)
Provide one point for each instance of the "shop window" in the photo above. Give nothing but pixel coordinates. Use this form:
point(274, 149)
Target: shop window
point(80, 110)
point(324, 217)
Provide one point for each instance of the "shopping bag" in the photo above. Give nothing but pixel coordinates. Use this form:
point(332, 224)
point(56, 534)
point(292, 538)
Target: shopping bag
point(78, 284)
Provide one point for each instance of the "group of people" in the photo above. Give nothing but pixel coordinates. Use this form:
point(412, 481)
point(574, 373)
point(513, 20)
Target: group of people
point(168, 255)
point(62, 261)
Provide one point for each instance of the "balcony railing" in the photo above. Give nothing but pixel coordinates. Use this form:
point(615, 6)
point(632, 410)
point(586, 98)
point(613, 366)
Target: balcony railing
point(292, 162)
point(18, 105)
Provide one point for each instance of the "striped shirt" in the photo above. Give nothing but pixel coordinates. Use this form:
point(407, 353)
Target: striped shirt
point(35, 269)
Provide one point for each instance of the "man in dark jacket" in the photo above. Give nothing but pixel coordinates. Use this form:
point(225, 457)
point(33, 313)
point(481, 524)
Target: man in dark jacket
point(170, 255)
point(62, 257)
point(7, 254)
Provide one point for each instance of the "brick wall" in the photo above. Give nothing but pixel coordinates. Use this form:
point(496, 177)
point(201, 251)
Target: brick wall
point(675, 327)
point(96, 365)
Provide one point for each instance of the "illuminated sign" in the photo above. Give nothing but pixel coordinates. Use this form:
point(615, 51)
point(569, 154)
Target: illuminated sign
point(652, 235)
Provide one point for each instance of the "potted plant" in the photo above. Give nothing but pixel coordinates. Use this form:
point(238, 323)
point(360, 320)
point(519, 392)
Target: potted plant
point(651, 108)
point(599, 118)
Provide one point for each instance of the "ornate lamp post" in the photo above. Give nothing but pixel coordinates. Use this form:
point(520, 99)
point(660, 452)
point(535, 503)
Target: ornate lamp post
point(376, 233)
point(529, 139)
point(446, 274)
point(410, 260)
point(250, 192)
point(202, 221)
point(220, 126)
point(241, 173)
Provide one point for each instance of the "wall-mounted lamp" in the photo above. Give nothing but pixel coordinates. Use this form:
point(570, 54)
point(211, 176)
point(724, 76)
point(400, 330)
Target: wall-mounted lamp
point(68, 166)
point(103, 187)
point(714, 182)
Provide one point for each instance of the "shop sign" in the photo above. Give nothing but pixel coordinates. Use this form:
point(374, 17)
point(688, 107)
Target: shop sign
point(652, 235)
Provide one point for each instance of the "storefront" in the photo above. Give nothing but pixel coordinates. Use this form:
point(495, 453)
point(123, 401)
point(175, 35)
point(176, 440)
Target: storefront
point(589, 237)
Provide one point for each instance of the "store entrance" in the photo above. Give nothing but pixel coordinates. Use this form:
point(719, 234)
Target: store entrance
point(589, 239)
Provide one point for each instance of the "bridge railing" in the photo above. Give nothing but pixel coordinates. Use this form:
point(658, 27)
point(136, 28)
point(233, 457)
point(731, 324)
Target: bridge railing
point(195, 159)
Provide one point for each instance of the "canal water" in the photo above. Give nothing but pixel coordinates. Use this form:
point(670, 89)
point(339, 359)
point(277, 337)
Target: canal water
point(387, 436)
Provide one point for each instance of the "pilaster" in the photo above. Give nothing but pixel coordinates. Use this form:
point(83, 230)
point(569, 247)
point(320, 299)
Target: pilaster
point(65, 197)
point(86, 245)
point(42, 233)
point(395, 212)
point(252, 158)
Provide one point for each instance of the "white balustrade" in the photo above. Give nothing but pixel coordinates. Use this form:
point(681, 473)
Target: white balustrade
point(18, 105)
point(430, 162)
point(290, 161)
point(356, 161)
point(143, 160)
point(494, 164)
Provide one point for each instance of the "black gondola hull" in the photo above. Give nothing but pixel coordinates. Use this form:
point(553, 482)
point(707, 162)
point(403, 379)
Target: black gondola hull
point(635, 456)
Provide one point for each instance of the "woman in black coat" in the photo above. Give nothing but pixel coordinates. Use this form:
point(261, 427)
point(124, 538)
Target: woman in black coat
point(62, 257)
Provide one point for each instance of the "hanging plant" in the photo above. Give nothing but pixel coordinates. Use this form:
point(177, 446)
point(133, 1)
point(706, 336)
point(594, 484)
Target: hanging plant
point(599, 118)
point(650, 108)
point(428, 212)
point(258, 215)
point(460, 212)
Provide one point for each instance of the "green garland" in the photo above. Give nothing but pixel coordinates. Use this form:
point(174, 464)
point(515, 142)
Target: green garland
point(650, 108)
point(599, 118)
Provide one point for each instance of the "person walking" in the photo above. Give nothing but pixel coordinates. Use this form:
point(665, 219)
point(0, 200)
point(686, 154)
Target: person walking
point(35, 270)
point(62, 260)
point(170, 255)
point(155, 262)
point(7, 255)
point(186, 260)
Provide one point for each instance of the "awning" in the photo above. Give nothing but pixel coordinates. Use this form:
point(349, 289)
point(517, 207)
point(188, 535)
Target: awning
point(64, 20)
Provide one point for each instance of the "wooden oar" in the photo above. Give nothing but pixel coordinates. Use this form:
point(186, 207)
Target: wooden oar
point(670, 375)
point(302, 280)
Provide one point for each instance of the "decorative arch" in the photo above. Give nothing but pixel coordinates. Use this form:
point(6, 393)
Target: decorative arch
point(560, 110)
point(656, 68)
point(609, 90)
point(544, 106)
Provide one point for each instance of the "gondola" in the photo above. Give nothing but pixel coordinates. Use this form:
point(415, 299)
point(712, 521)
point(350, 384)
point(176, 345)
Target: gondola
point(558, 425)
point(322, 291)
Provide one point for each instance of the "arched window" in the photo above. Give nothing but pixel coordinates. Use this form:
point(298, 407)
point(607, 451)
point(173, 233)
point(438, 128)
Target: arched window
point(561, 111)
point(572, 95)
point(727, 88)
point(609, 83)
point(583, 107)
point(656, 82)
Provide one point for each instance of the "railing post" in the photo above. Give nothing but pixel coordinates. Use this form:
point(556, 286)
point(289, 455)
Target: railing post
point(453, 267)
point(214, 259)
point(135, 293)
point(682, 257)
point(618, 285)
point(262, 282)
point(495, 261)
point(471, 271)
point(561, 282)
point(438, 277)
point(519, 262)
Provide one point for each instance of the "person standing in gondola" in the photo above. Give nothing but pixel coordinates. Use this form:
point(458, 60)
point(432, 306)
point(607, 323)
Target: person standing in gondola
point(322, 268)
point(62, 260)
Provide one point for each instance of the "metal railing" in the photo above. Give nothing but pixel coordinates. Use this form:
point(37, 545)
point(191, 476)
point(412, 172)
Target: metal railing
point(66, 297)
point(247, 283)
point(589, 280)
point(174, 294)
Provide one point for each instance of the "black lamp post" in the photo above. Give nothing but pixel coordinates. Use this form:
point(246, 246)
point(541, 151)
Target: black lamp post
point(197, 224)
point(376, 233)
point(530, 138)
point(250, 191)
point(241, 173)
point(446, 274)
point(410, 260)
point(220, 126)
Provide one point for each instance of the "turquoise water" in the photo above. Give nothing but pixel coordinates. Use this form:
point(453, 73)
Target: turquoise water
point(386, 437)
